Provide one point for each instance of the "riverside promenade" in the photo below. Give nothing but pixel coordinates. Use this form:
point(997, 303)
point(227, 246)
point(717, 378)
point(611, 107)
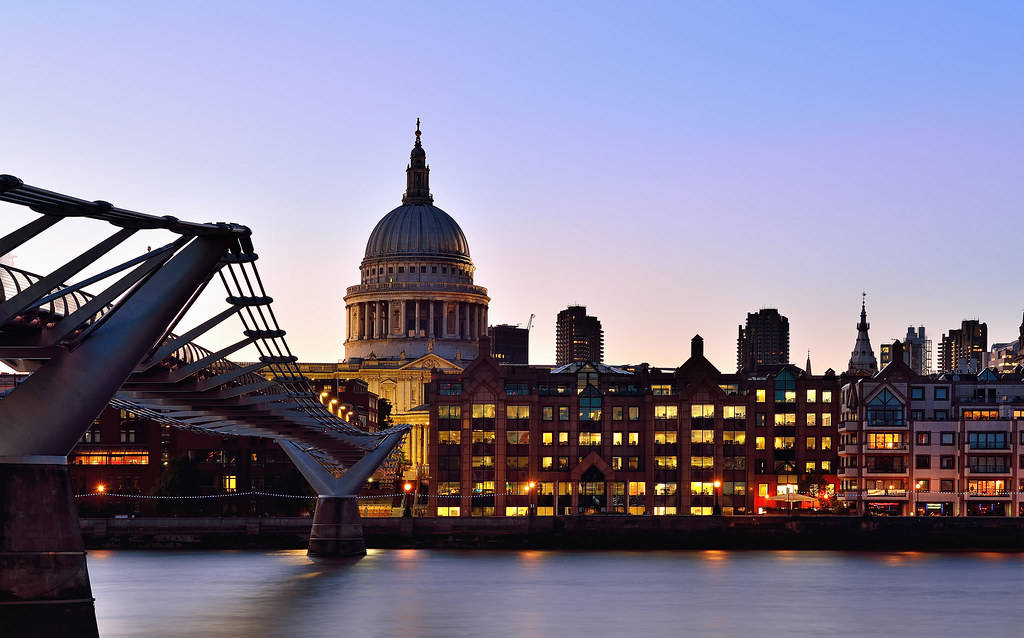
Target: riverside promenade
point(583, 532)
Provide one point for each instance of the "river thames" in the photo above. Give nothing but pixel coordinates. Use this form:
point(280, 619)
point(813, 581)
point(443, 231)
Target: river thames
point(439, 593)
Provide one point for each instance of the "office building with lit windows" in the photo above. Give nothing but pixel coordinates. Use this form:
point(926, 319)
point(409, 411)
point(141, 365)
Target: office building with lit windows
point(963, 349)
point(593, 438)
point(949, 445)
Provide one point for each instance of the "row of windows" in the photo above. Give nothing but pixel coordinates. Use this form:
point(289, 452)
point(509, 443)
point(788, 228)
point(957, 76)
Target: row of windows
point(379, 270)
point(729, 437)
point(590, 410)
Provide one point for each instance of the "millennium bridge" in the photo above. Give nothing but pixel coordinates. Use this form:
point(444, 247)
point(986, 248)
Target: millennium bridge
point(113, 338)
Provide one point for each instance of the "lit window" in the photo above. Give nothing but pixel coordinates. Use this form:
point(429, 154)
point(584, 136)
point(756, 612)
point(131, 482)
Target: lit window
point(665, 437)
point(547, 438)
point(811, 443)
point(665, 489)
point(702, 462)
point(826, 396)
point(665, 462)
point(448, 511)
point(826, 443)
point(812, 396)
point(812, 420)
point(547, 462)
point(483, 411)
point(617, 413)
point(229, 483)
point(634, 438)
point(668, 510)
point(517, 412)
point(661, 390)
point(759, 443)
point(666, 411)
point(702, 436)
point(762, 489)
point(563, 413)
point(730, 437)
point(760, 393)
point(547, 413)
point(702, 411)
point(734, 412)
point(590, 438)
point(634, 413)
point(449, 488)
point(785, 442)
point(616, 438)
point(563, 438)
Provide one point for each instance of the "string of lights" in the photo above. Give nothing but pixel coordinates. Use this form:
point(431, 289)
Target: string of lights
point(273, 495)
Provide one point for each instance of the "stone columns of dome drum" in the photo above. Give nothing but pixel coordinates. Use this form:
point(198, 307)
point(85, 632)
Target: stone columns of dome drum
point(404, 324)
point(416, 328)
point(458, 324)
point(430, 326)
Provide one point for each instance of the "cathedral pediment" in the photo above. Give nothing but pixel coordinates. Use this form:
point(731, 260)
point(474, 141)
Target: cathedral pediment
point(431, 361)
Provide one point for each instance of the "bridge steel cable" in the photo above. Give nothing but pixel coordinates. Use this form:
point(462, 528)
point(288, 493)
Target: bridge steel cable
point(118, 343)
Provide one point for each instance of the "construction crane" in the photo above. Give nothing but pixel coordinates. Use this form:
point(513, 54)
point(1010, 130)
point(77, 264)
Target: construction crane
point(529, 324)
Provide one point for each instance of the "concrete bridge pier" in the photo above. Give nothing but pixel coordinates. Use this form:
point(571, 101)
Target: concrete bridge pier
point(44, 582)
point(337, 530)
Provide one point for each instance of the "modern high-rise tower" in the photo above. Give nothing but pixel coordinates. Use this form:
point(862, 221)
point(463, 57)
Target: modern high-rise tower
point(764, 341)
point(578, 337)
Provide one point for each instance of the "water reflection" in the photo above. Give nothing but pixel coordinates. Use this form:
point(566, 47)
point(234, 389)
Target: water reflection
point(536, 593)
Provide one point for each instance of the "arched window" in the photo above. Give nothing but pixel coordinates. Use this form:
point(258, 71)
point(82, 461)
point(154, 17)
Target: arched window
point(885, 409)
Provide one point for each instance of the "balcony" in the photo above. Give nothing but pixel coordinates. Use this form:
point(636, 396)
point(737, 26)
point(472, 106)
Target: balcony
point(886, 469)
point(893, 447)
point(848, 472)
point(850, 449)
point(988, 471)
point(896, 493)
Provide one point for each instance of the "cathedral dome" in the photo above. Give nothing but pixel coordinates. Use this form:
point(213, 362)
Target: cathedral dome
point(419, 230)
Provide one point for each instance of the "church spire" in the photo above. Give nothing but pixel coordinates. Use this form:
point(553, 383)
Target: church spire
point(862, 359)
point(807, 368)
point(417, 174)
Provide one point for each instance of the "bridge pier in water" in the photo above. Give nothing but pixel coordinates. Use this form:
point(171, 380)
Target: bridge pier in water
point(337, 530)
point(44, 582)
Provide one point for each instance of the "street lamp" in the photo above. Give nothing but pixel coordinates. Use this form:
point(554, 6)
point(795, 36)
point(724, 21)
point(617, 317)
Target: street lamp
point(101, 488)
point(531, 493)
point(717, 510)
point(323, 395)
point(917, 486)
point(406, 506)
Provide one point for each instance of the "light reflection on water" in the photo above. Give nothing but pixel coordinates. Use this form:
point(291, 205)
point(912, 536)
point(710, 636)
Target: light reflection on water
point(536, 593)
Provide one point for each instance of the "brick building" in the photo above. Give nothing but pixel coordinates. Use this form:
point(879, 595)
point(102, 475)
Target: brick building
point(594, 438)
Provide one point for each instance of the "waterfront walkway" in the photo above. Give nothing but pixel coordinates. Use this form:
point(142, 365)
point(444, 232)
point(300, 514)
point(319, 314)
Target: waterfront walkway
point(583, 532)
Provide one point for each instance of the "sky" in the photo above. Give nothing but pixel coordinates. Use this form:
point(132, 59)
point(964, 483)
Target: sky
point(672, 166)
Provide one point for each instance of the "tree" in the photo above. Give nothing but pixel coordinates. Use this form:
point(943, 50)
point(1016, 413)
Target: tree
point(384, 420)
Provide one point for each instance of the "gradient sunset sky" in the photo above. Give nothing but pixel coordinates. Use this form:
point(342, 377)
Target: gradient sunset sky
point(672, 166)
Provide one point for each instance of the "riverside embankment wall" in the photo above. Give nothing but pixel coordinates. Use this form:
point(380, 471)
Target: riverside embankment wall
point(584, 532)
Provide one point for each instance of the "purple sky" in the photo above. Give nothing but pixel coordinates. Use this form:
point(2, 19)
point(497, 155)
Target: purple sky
point(671, 166)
